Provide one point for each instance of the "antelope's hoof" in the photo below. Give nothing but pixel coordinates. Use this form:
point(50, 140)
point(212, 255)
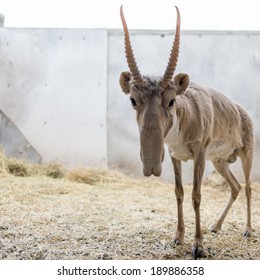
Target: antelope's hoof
point(178, 239)
point(248, 232)
point(215, 228)
point(198, 252)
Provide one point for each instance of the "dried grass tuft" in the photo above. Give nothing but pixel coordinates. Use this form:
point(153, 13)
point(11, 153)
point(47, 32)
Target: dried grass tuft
point(93, 176)
point(53, 170)
point(2, 162)
point(21, 168)
point(16, 168)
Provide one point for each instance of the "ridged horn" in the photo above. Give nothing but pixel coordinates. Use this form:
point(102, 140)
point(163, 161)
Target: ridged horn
point(137, 77)
point(167, 77)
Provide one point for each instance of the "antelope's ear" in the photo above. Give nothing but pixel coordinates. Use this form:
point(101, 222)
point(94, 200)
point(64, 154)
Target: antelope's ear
point(124, 81)
point(181, 81)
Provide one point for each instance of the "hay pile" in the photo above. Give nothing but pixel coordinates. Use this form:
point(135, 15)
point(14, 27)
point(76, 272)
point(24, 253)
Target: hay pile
point(47, 212)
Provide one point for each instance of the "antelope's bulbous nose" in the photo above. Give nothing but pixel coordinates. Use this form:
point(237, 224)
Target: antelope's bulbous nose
point(152, 145)
point(152, 162)
point(153, 170)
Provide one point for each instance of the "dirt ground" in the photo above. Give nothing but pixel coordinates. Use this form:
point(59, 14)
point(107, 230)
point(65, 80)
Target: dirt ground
point(105, 215)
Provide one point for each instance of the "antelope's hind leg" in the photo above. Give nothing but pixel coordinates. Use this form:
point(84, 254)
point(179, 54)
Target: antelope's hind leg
point(246, 158)
point(222, 167)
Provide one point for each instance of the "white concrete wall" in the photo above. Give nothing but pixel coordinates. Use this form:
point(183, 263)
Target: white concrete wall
point(60, 88)
point(53, 87)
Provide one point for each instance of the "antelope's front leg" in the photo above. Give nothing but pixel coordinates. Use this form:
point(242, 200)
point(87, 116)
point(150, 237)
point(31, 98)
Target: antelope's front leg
point(199, 165)
point(179, 235)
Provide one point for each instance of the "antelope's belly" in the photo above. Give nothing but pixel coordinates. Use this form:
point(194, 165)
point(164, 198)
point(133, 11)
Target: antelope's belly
point(217, 150)
point(220, 150)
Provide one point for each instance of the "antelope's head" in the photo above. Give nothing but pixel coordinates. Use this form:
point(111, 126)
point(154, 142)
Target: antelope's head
point(154, 101)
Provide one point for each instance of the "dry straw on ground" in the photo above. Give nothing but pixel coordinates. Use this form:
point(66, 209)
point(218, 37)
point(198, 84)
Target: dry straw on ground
point(50, 213)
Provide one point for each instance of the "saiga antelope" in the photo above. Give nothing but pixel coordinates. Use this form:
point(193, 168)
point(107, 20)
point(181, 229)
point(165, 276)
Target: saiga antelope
point(196, 123)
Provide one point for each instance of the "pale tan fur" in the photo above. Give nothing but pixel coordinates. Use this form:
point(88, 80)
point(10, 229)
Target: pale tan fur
point(201, 124)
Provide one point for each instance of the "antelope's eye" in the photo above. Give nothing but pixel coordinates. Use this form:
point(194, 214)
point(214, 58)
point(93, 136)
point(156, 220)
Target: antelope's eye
point(171, 103)
point(133, 101)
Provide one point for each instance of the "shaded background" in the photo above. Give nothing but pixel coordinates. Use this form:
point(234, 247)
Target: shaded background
point(60, 90)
